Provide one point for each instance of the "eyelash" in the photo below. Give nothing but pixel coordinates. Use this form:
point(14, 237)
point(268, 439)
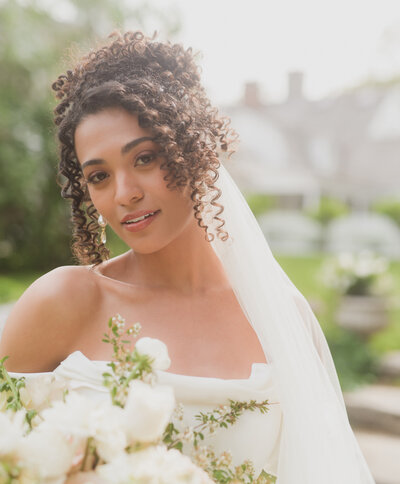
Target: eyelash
point(91, 178)
point(150, 156)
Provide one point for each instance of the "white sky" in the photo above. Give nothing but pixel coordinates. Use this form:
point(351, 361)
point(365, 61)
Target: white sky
point(336, 43)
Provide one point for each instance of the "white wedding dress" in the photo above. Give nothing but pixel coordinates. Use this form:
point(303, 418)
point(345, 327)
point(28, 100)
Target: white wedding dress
point(254, 436)
point(306, 437)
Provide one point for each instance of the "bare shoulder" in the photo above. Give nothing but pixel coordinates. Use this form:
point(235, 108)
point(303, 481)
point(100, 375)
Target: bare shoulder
point(47, 317)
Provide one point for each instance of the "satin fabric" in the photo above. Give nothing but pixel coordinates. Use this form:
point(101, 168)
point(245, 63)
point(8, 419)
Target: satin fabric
point(254, 436)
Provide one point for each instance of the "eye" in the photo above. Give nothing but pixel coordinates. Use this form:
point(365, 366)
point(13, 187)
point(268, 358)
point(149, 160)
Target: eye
point(145, 159)
point(96, 177)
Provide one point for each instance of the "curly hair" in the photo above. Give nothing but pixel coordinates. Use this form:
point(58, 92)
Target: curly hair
point(160, 83)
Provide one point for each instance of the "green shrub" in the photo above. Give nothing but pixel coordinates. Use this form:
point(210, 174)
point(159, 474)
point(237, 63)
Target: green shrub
point(328, 209)
point(116, 245)
point(13, 285)
point(260, 203)
point(356, 361)
point(389, 207)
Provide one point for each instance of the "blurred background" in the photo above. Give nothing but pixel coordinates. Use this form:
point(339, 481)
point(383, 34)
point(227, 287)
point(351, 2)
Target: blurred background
point(313, 90)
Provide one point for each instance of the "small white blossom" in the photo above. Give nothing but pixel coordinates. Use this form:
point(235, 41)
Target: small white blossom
point(119, 321)
point(212, 427)
point(224, 409)
point(225, 459)
point(203, 455)
point(179, 411)
point(135, 329)
point(188, 434)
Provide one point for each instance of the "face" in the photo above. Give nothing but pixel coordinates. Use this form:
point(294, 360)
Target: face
point(121, 165)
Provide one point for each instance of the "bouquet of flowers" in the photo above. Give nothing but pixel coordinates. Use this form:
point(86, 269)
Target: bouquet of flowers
point(360, 274)
point(53, 435)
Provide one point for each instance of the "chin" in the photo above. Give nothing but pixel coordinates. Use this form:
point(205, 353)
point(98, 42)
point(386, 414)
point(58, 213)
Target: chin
point(146, 245)
point(156, 240)
point(152, 245)
point(146, 249)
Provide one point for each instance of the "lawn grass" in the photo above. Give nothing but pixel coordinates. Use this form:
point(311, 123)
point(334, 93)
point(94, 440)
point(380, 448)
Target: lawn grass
point(389, 339)
point(303, 271)
point(356, 361)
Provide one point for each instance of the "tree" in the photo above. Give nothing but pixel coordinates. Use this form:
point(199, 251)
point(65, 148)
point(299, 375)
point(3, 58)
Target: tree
point(34, 220)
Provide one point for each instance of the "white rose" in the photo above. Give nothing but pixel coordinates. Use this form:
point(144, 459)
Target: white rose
point(81, 417)
point(148, 411)
point(47, 451)
point(110, 436)
point(40, 391)
point(12, 427)
point(119, 470)
point(74, 417)
point(156, 350)
point(154, 464)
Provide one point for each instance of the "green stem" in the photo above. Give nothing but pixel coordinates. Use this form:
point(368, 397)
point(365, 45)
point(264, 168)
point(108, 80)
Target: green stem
point(13, 388)
point(197, 428)
point(203, 425)
point(87, 453)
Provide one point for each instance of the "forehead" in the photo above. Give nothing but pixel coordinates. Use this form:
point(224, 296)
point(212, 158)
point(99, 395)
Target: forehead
point(107, 129)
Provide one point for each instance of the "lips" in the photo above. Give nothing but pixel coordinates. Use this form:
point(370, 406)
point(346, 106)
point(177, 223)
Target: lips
point(137, 215)
point(144, 221)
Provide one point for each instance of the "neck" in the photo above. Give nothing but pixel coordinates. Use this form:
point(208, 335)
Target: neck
point(189, 265)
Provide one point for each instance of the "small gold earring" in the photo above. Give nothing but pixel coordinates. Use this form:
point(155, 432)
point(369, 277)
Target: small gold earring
point(103, 225)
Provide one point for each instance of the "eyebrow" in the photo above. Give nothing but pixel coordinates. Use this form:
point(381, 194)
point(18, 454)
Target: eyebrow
point(125, 149)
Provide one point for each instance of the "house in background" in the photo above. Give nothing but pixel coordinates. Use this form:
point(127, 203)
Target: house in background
point(346, 146)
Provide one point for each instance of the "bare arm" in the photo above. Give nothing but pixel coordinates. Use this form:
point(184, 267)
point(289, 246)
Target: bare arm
point(44, 321)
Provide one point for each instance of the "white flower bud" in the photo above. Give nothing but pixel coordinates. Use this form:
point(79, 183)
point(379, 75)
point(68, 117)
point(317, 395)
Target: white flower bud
point(156, 350)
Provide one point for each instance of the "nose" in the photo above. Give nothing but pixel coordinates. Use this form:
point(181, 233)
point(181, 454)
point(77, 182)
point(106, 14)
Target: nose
point(127, 189)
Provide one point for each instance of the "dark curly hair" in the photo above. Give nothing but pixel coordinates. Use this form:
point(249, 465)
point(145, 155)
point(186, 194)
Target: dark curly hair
point(160, 83)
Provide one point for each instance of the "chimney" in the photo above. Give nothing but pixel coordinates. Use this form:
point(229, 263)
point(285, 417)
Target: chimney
point(252, 95)
point(295, 86)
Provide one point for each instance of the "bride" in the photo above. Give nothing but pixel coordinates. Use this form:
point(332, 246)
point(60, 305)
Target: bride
point(140, 149)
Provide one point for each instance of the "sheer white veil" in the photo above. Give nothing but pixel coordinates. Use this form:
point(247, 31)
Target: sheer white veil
point(317, 444)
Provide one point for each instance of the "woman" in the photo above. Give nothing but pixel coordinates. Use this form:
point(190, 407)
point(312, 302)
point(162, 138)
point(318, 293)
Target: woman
point(140, 147)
